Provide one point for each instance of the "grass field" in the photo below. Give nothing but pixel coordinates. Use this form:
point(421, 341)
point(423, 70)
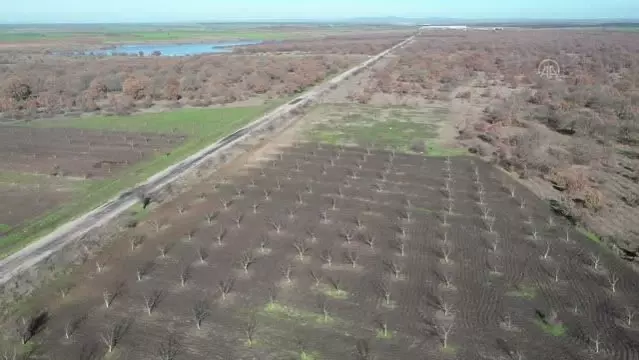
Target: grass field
point(139, 33)
point(203, 126)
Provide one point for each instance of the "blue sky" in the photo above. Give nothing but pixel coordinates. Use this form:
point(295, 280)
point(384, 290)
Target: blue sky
point(18, 11)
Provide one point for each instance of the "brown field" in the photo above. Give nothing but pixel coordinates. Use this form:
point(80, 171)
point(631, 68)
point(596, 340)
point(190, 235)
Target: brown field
point(77, 152)
point(347, 253)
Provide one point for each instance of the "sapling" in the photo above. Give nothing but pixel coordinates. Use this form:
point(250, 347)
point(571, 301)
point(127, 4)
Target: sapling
point(135, 242)
point(156, 225)
point(225, 287)
point(597, 342)
point(267, 195)
point(264, 244)
point(490, 223)
point(238, 220)
point(290, 213)
point(508, 322)
point(300, 199)
point(190, 234)
point(327, 257)
point(323, 169)
point(316, 276)
point(630, 314)
point(99, 265)
point(202, 255)
point(340, 192)
point(347, 235)
point(210, 217)
point(445, 219)
point(246, 260)
point(107, 297)
point(287, 271)
point(225, 204)
point(276, 225)
point(323, 306)
point(185, 273)
point(534, 233)
point(255, 207)
point(181, 209)
point(249, 329)
point(444, 331)
point(163, 249)
point(200, 312)
point(450, 208)
point(394, 268)
point(262, 172)
point(400, 246)
point(358, 164)
point(169, 348)
point(369, 240)
point(512, 191)
point(595, 261)
point(447, 250)
point(151, 301)
point(495, 243)
point(333, 203)
point(383, 326)
point(111, 336)
point(359, 223)
point(547, 253)
point(522, 203)
point(324, 217)
point(278, 184)
point(445, 239)
point(613, 279)
point(557, 269)
point(302, 249)
point(219, 238)
point(385, 292)
point(448, 280)
point(351, 258)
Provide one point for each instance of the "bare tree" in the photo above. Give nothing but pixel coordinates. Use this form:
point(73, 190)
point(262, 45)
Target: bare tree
point(490, 223)
point(190, 235)
point(557, 269)
point(447, 279)
point(219, 238)
point(333, 203)
point(630, 314)
point(226, 203)
point(151, 300)
point(135, 241)
point(351, 258)
point(394, 268)
point(444, 331)
point(108, 297)
point(613, 279)
point(180, 209)
point(324, 217)
point(316, 276)
point(384, 291)
point(255, 207)
point(327, 257)
point(200, 312)
point(264, 243)
point(547, 253)
point(495, 243)
point(447, 250)
point(287, 271)
point(290, 213)
point(164, 249)
point(237, 219)
point(362, 348)
point(267, 195)
point(302, 248)
point(249, 329)
point(99, 265)
point(113, 334)
point(595, 261)
point(169, 348)
point(369, 240)
point(225, 287)
point(276, 225)
point(185, 274)
point(382, 324)
point(597, 342)
point(447, 308)
point(358, 223)
point(400, 245)
point(347, 235)
point(71, 325)
point(202, 254)
point(300, 198)
point(246, 260)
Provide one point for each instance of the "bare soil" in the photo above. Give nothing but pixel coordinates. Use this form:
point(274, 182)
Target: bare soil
point(24, 201)
point(503, 298)
point(77, 152)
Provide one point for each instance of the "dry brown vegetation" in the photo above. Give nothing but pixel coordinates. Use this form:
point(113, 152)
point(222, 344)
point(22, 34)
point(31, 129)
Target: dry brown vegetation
point(47, 85)
point(572, 140)
point(368, 44)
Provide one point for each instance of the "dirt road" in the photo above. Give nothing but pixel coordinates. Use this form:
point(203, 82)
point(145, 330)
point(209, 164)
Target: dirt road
point(42, 248)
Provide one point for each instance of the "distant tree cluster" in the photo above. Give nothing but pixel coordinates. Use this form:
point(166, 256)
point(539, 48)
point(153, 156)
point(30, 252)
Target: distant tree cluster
point(47, 85)
point(357, 44)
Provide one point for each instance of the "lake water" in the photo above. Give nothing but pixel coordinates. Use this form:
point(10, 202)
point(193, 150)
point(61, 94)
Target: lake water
point(175, 49)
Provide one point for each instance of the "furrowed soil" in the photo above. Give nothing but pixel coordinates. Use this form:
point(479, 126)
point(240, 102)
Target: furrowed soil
point(78, 152)
point(329, 252)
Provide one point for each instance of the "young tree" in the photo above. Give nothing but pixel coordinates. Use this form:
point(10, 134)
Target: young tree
point(210, 217)
point(369, 240)
point(394, 268)
point(225, 287)
point(447, 250)
point(247, 260)
point(384, 290)
point(200, 312)
point(363, 351)
point(287, 271)
point(113, 334)
point(249, 329)
point(151, 301)
point(302, 248)
point(351, 258)
point(276, 225)
point(238, 220)
point(219, 238)
point(444, 330)
point(169, 348)
point(327, 257)
point(630, 314)
point(613, 279)
point(347, 235)
point(185, 274)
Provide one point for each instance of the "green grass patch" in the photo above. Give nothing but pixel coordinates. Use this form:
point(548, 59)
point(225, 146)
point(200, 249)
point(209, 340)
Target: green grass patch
point(205, 126)
point(304, 355)
point(282, 312)
point(334, 293)
point(551, 329)
point(589, 235)
point(399, 128)
point(381, 334)
point(524, 291)
point(4, 228)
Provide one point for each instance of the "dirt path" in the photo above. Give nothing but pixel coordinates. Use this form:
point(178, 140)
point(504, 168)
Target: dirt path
point(41, 249)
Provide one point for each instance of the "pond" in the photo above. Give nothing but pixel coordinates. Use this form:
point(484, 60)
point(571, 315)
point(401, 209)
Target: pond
point(174, 49)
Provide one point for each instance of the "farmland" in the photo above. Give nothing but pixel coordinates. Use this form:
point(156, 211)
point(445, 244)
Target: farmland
point(100, 162)
point(326, 251)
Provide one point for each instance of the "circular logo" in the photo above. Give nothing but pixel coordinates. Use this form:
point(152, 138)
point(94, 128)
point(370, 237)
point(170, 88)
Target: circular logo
point(549, 69)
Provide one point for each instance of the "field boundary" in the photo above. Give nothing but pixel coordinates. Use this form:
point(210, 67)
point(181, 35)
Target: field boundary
point(41, 249)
